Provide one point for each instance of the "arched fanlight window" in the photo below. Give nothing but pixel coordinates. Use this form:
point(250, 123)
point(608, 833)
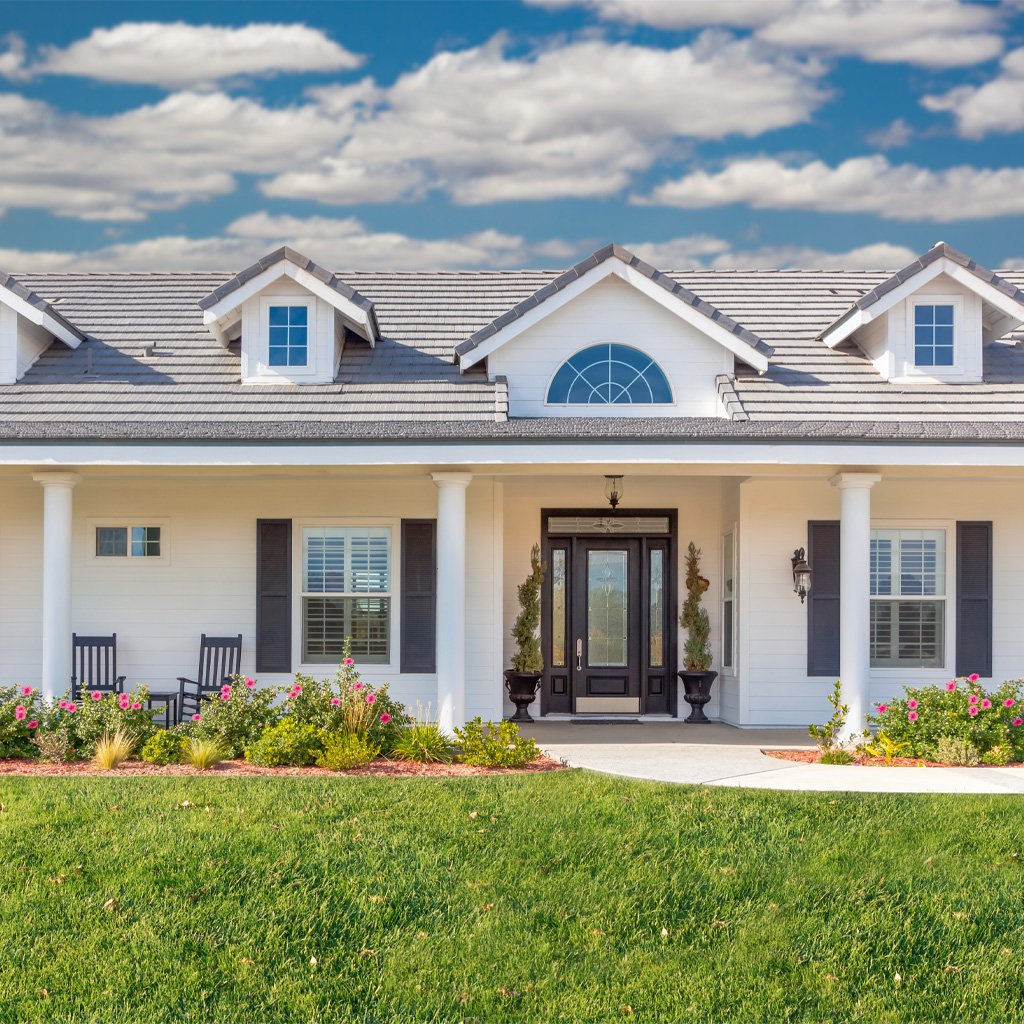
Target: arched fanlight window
point(609, 374)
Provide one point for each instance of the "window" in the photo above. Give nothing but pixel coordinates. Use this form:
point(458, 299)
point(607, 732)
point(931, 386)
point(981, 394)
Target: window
point(128, 542)
point(908, 598)
point(346, 592)
point(728, 619)
point(933, 335)
point(288, 337)
point(609, 375)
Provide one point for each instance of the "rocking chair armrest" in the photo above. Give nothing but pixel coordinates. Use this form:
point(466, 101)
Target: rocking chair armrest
point(119, 682)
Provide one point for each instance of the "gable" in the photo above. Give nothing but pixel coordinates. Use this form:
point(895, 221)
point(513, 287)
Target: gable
point(28, 326)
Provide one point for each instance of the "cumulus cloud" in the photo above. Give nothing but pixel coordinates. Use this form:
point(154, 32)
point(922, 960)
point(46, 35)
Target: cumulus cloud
point(859, 185)
point(995, 107)
point(930, 33)
point(12, 57)
point(895, 135)
point(177, 55)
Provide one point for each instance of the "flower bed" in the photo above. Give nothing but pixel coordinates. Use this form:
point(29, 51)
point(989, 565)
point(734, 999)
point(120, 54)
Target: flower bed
point(866, 760)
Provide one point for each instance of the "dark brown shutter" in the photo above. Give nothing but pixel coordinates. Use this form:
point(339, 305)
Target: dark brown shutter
point(273, 595)
point(823, 600)
point(974, 599)
point(419, 595)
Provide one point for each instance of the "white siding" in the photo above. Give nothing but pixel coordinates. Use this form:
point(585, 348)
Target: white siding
point(613, 311)
point(21, 344)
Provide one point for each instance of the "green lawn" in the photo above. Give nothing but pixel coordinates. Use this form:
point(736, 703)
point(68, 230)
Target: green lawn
point(520, 898)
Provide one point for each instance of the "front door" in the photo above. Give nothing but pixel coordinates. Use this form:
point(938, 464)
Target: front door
point(608, 604)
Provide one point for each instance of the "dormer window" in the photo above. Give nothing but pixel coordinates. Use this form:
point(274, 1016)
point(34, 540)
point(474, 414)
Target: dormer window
point(609, 375)
point(933, 334)
point(288, 338)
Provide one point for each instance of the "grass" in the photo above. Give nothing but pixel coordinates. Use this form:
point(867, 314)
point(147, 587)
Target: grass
point(561, 897)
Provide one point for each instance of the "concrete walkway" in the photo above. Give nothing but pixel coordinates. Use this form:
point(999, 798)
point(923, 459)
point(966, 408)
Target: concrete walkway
point(719, 755)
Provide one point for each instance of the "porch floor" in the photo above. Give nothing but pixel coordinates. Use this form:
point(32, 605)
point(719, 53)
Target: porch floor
point(721, 755)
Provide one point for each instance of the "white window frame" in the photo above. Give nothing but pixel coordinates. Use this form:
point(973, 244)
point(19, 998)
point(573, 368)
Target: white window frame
point(912, 674)
point(123, 522)
point(911, 369)
point(729, 548)
point(318, 668)
point(288, 372)
point(620, 410)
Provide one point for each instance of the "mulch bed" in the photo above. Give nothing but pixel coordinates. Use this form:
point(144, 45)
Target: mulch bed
point(398, 769)
point(814, 756)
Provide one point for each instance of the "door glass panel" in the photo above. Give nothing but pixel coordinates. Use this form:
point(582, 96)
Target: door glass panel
point(558, 607)
point(607, 609)
point(656, 617)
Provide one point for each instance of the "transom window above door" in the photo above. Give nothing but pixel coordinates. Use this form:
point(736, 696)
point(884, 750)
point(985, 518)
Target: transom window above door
point(609, 374)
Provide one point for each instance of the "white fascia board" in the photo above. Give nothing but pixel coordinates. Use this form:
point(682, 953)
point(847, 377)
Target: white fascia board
point(483, 457)
point(643, 284)
point(1010, 308)
point(224, 313)
point(39, 317)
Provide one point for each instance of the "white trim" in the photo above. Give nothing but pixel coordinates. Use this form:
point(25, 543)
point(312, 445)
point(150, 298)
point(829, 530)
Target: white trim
point(39, 317)
point(127, 522)
point(227, 308)
point(595, 275)
point(911, 371)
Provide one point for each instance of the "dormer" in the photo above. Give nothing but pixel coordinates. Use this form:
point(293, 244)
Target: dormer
point(613, 336)
point(292, 316)
point(931, 321)
point(28, 327)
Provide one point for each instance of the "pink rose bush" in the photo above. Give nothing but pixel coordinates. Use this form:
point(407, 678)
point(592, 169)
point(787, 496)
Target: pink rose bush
point(961, 710)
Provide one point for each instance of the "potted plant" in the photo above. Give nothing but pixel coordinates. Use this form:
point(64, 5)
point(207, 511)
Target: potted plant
point(697, 676)
point(523, 678)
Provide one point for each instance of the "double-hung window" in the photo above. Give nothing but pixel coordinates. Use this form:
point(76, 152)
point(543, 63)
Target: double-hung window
point(908, 598)
point(346, 593)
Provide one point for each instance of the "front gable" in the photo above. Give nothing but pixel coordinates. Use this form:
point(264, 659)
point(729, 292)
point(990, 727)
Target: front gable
point(28, 326)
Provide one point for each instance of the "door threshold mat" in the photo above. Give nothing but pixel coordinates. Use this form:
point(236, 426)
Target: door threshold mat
point(602, 720)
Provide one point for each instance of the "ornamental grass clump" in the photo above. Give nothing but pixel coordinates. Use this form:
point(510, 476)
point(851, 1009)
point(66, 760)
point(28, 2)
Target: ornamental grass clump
point(236, 716)
point(112, 749)
point(204, 753)
point(21, 709)
point(960, 710)
point(423, 741)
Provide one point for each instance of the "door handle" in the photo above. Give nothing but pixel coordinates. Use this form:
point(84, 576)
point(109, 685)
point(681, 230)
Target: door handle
point(579, 654)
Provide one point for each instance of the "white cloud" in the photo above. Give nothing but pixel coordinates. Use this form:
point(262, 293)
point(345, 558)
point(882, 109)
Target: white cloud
point(579, 119)
point(12, 58)
point(996, 106)
point(177, 55)
point(931, 33)
point(894, 136)
point(859, 185)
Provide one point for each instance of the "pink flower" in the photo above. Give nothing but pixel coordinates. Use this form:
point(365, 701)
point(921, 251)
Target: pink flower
point(385, 718)
point(1018, 721)
point(297, 688)
point(973, 677)
point(357, 686)
point(882, 708)
point(911, 704)
point(63, 705)
point(225, 696)
point(136, 706)
point(370, 698)
point(1008, 703)
point(20, 713)
point(225, 688)
point(96, 695)
point(335, 701)
point(124, 702)
point(350, 661)
point(973, 699)
point(250, 683)
point(71, 708)
point(951, 685)
point(195, 718)
point(911, 716)
point(986, 703)
point(33, 725)
point(972, 710)
point(26, 691)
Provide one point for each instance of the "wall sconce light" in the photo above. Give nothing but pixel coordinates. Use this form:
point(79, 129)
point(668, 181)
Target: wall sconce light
point(613, 490)
point(801, 575)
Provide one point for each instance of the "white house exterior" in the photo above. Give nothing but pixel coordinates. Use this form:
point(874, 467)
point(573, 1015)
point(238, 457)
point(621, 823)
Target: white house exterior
point(298, 456)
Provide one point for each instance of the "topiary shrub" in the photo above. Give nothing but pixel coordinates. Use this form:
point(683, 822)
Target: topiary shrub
point(693, 618)
point(342, 750)
point(495, 745)
point(528, 657)
point(287, 743)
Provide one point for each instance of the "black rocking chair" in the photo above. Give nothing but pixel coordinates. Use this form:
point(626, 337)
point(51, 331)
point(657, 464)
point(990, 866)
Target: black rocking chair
point(220, 658)
point(94, 665)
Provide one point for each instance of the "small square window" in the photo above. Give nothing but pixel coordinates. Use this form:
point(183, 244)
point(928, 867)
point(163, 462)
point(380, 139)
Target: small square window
point(145, 542)
point(111, 541)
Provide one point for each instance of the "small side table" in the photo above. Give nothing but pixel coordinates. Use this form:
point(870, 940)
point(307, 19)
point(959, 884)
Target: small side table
point(169, 700)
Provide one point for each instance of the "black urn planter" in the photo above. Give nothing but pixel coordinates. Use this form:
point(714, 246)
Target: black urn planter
point(522, 691)
point(696, 693)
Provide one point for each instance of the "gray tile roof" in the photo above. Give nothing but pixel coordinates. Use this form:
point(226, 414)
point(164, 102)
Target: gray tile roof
point(674, 287)
point(29, 296)
point(150, 369)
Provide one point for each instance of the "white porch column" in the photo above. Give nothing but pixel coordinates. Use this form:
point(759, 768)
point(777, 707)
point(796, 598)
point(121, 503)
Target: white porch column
point(451, 598)
point(56, 669)
point(855, 594)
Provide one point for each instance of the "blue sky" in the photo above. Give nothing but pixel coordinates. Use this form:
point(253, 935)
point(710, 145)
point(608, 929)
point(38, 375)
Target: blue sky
point(704, 133)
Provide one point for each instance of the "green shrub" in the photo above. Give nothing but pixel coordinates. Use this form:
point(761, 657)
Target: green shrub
point(165, 747)
point(999, 755)
point(423, 741)
point(827, 735)
point(57, 745)
point(96, 714)
point(341, 750)
point(887, 747)
point(287, 743)
point(836, 755)
point(21, 709)
point(237, 716)
point(204, 752)
point(495, 745)
point(960, 709)
point(956, 751)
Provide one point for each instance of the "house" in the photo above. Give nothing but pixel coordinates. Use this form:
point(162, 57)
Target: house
point(302, 456)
